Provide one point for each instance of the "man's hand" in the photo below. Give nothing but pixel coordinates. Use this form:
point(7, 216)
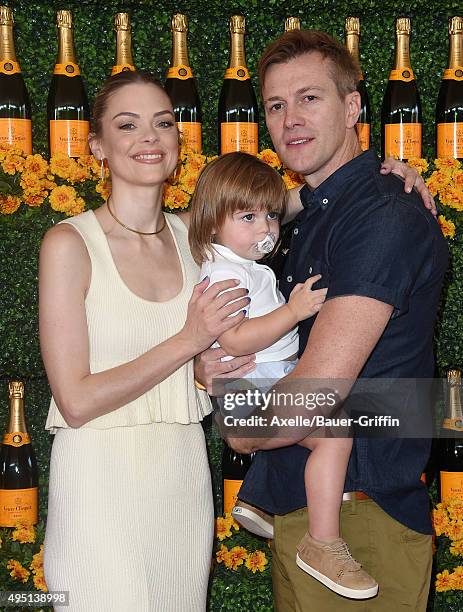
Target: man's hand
point(208, 366)
point(412, 180)
point(245, 446)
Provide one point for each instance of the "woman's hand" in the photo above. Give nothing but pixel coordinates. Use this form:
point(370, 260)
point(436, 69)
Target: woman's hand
point(210, 309)
point(412, 179)
point(208, 366)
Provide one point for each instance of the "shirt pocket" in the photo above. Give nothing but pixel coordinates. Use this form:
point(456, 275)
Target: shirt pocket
point(312, 267)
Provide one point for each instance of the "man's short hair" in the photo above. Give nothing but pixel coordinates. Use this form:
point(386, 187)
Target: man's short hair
point(345, 70)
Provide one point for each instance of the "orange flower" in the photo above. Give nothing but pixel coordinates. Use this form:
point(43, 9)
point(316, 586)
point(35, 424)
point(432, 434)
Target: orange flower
point(456, 548)
point(270, 157)
point(37, 570)
point(104, 189)
point(18, 572)
point(9, 204)
point(24, 532)
point(222, 528)
point(63, 166)
point(65, 199)
point(13, 163)
point(256, 561)
point(221, 554)
point(236, 557)
point(447, 162)
point(175, 197)
point(447, 227)
point(444, 581)
point(420, 165)
point(292, 179)
point(455, 530)
point(440, 520)
point(35, 164)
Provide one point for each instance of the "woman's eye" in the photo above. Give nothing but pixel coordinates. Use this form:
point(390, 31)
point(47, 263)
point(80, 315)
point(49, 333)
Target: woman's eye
point(165, 124)
point(127, 126)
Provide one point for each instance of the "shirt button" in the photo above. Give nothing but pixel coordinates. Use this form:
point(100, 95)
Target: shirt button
point(325, 201)
point(295, 231)
point(289, 278)
point(310, 270)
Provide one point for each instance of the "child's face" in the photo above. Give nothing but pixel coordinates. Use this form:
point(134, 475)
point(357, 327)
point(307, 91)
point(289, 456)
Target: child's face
point(244, 229)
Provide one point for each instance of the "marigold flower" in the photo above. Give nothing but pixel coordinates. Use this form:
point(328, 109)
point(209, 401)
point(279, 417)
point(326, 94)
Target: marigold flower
point(9, 204)
point(222, 528)
point(236, 556)
point(175, 197)
point(270, 157)
point(231, 521)
point(440, 520)
point(456, 548)
point(24, 532)
point(13, 163)
point(63, 166)
point(18, 572)
point(35, 164)
point(64, 199)
point(292, 179)
point(37, 570)
point(420, 165)
point(256, 561)
point(454, 530)
point(447, 227)
point(447, 162)
point(104, 188)
point(221, 554)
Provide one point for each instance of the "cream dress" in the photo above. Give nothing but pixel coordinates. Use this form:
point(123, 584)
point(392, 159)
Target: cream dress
point(130, 513)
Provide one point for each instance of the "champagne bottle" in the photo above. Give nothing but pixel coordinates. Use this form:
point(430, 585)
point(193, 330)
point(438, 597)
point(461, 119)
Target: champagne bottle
point(18, 466)
point(181, 87)
point(363, 126)
point(401, 112)
point(123, 60)
point(238, 112)
point(292, 23)
point(15, 108)
point(449, 109)
point(67, 107)
point(451, 447)
point(234, 468)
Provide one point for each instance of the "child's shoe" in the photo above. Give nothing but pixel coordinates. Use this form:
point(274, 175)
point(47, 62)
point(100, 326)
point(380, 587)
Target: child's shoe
point(254, 520)
point(333, 565)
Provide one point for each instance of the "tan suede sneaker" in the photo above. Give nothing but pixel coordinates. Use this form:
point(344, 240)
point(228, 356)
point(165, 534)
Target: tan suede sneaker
point(333, 565)
point(254, 520)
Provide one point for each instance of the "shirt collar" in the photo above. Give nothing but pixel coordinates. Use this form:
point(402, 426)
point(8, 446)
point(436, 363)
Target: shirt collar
point(332, 187)
point(219, 251)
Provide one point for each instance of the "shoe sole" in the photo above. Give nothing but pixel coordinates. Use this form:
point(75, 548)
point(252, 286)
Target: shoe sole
point(337, 588)
point(252, 522)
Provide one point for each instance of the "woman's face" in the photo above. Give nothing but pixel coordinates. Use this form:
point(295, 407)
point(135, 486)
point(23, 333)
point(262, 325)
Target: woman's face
point(139, 138)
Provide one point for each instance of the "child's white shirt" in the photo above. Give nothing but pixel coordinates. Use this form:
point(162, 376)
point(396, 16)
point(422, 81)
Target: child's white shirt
point(260, 280)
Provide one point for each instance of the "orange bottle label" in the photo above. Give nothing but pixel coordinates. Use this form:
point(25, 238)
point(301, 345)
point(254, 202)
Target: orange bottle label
point(180, 72)
point(18, 506)
point(70, 137)
point(451, 485)
point(241, 73)
point(402, 74)
point(70, 69)
point(402, 140)
point(450, 140)
point(18, 438)
point(191, 133)
point(122, 68)
point(230, 494)
point(454, 74)
point(363, 134)
point(239, 136)
point(9, 67)
point(18, 133)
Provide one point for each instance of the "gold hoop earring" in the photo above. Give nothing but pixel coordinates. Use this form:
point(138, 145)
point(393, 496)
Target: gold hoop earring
point(174, 177)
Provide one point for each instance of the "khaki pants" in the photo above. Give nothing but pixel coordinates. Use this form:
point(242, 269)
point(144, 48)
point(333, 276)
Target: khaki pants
point(399, 558)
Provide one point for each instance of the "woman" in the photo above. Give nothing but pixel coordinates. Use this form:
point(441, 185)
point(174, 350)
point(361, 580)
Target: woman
point(130, 516)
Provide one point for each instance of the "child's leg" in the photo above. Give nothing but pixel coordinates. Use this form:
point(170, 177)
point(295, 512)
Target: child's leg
point(325, 473)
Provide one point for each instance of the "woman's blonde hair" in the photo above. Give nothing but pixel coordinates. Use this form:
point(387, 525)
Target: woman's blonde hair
point(232, 182)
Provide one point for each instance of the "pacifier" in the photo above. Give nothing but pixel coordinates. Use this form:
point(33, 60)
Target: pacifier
point(267, 244)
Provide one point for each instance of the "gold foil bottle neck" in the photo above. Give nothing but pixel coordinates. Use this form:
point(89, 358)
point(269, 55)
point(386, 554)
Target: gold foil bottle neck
point(6, 16)
point(237, 24)
point(455, 25)
point(403, 26)
point(292, 23)
point(122, 21)
point(64, 19)
point(352, 25)
point(454, 377)
point(179, 23)
point(16, 389)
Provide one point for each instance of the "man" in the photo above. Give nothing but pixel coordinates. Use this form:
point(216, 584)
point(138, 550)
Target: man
point(383, 258)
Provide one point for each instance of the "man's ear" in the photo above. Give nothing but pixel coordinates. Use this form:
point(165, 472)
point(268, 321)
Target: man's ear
point(353, 105)
point(95, 146)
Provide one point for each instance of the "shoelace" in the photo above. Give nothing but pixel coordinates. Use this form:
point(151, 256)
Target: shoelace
point(342, 553)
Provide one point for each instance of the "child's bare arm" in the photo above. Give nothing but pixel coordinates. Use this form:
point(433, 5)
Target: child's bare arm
point(293, 204)
point(253, 335)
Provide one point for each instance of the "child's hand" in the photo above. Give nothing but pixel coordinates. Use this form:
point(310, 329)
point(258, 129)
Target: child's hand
point(304, 302)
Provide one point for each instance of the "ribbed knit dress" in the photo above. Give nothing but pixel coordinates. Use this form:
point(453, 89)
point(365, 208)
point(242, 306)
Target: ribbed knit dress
point(130, 514)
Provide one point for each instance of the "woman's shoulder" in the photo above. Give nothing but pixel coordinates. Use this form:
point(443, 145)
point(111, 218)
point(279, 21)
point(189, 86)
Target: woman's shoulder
point(65, 239)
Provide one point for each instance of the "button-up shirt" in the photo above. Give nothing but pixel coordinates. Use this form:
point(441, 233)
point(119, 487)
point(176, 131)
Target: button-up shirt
point(367, 237)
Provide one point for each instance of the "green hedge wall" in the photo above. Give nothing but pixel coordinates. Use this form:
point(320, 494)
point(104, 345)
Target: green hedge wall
point(20, 235)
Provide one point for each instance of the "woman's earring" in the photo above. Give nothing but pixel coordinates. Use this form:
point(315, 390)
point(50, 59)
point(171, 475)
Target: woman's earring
point(102, 172)
point(173, 178)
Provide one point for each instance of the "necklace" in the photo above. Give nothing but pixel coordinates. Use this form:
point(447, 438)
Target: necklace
point(134, 230)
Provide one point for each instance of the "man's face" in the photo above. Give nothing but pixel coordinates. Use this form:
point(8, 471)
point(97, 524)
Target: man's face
point(312, 129)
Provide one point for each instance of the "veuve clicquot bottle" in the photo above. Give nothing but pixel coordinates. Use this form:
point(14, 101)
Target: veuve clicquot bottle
point(449, 109)
point(18, 467)
point(401, 112)
point(451, 443)
point(181, 87)
point(292, 23)
point(124, 59)
point(67, 107)
point(238, 112)
point(352, 27)
point(15, 108)
point(234, 468)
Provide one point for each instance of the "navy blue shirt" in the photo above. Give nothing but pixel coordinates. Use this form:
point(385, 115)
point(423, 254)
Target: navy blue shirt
point(367, 237)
